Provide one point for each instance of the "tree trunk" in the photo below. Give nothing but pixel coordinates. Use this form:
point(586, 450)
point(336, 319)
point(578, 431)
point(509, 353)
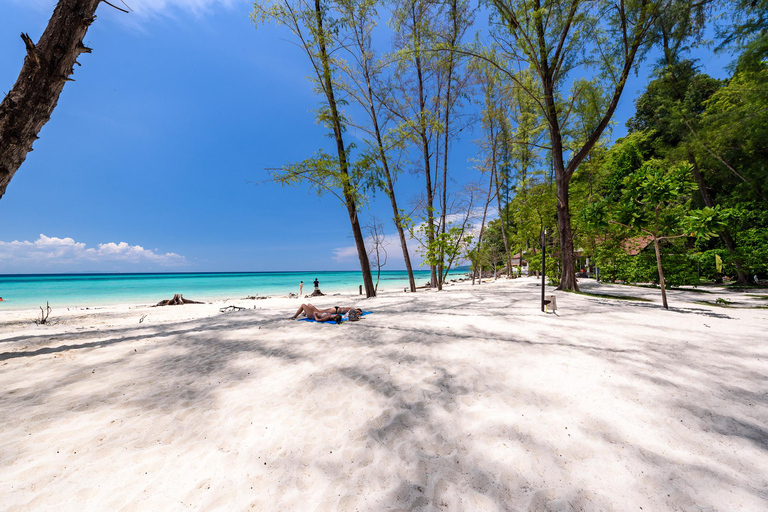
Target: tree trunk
point(724, 234)
point(390, 185)
point(562, 182)
point(661, 273)
point(568, 268)
point(548, 72)
point(425, 147)
point(398, 220)
point(349, 199)
point(482, 226)
point(47, 67)
point(454, 37)
point(501, 220)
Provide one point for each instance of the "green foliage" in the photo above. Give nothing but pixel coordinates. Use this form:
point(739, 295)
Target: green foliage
point(671, 106)
point(693, 166)
point(753, 250)
point(446, 248)
point(720, 127)
point(655, 199)
point(746, 20)
point(552, 264)
point(708, 267)
point(613, 261)
point(616, 264)
point(733, 134)
point(323, 174)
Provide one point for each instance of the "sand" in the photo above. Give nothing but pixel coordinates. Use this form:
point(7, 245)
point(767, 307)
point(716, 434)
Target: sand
point(467, 399)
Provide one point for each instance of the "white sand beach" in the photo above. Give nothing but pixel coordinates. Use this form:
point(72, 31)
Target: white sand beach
point(467, 399)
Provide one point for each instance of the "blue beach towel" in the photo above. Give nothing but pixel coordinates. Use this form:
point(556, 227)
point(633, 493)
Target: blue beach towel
point(343, 319)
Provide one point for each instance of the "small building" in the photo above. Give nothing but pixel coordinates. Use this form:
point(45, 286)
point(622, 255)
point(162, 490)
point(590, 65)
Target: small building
point(519, 263)
point(636, 245)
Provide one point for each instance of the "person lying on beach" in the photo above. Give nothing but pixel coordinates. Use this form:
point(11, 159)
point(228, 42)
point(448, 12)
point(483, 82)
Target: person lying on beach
point(326, 317)
point(309, 310)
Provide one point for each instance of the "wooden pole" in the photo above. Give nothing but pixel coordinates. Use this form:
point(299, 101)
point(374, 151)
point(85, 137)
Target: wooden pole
point(543, 263)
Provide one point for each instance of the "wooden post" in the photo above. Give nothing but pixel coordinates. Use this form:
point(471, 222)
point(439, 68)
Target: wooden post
point(543, 263)
point(361, 289)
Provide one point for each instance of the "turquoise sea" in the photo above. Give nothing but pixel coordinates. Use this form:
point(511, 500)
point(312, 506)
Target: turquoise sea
point(70, 290)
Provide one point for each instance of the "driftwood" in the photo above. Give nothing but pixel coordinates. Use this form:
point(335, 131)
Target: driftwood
point(177, 300)
point(44, 314)
point(231, 308)
point(317, 293)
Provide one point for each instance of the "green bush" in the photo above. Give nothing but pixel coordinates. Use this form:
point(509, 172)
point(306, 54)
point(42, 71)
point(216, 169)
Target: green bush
point(616, 265)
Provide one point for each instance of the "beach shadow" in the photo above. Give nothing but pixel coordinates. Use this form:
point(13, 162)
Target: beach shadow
point(438, 463)
point(201, 352)
point(422, 429)
point(729, 426)
point(672, 309)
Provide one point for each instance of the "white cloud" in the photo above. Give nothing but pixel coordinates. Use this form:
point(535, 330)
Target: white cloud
point(391, 243)
point(64, 254)
point(147, 7)
point(343, 254)
point(197, 7)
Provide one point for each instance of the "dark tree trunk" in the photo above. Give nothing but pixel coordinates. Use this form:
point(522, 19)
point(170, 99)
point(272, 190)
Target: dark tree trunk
point(390, 185)
point(724, 234)
point(549, 69)
point(349, 199)
point(567, 258)
point(562, 182)
point(47, 67)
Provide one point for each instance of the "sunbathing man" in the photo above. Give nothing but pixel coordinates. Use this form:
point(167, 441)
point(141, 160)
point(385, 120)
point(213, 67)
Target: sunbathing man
point(309, 310)
point(327, 317)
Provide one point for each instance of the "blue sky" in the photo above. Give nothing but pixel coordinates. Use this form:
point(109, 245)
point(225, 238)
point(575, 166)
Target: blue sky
point(152, 157)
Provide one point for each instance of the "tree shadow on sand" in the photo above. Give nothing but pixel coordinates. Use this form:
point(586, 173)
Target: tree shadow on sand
point(182, 356)
point(431, 402)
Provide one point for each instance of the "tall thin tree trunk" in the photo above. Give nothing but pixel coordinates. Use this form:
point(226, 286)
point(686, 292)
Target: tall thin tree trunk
point(454, 37)
point(349, 199)
point(390, 185)
point(501, 220)
point(482, 225)
point(427, 166)
point(47, 67)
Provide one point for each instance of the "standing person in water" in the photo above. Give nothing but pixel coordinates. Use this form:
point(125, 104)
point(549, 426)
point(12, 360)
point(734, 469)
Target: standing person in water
point(317, 284)
point(301, 288)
